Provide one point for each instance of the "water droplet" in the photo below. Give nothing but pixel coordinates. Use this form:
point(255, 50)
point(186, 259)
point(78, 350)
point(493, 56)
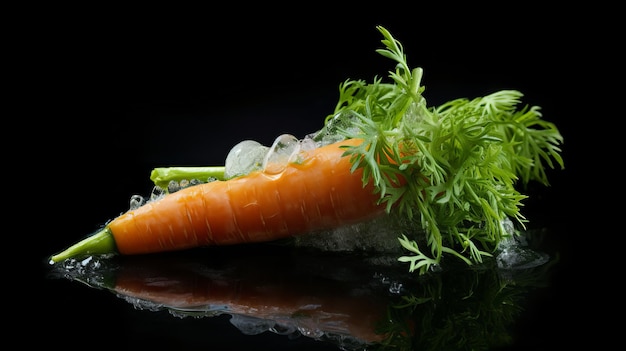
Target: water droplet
point(157, 192)
point(173, 186)
point(136, 201)
point(395, 288)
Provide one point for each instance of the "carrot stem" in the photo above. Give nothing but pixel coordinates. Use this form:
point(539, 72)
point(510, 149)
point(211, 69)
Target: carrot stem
point(100, 243)
point(163, 176)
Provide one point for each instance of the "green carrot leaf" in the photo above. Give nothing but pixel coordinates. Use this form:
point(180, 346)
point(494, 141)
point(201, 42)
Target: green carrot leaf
point(451, 169)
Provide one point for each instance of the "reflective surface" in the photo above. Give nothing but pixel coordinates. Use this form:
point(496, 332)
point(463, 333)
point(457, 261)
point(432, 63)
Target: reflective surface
point(348, 301)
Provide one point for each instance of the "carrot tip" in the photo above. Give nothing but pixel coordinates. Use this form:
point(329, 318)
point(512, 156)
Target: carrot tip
point(102, 242)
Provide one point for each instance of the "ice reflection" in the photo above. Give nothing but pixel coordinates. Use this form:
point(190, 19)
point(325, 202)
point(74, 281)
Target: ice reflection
point(356, 301)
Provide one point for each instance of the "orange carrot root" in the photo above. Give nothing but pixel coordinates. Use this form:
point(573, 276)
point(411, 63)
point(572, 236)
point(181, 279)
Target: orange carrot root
point(319, 193)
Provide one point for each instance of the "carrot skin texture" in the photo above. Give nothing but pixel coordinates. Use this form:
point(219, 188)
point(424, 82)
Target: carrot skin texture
point(319, 193)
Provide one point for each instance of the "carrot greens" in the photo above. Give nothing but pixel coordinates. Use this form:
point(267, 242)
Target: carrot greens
point(452, 168)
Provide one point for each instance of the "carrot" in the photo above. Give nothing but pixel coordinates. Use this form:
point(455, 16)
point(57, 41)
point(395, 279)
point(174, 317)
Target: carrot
point(321, 192)
point(452, 170)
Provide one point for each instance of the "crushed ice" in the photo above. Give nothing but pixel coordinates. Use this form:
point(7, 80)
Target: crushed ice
point(336, 129)
point(379, 235)
point(90, 270)
point(513, 255)
point(249, 155)
point(514, 252)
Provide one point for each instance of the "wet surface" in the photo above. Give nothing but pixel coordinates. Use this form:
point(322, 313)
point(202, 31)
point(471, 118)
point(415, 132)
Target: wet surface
point(347, 301)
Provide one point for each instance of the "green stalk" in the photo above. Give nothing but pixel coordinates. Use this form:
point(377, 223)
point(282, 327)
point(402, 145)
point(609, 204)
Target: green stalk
point(163, 176)
point(100, 243)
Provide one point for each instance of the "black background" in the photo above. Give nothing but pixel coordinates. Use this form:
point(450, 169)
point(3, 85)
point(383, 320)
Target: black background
point(119, 91)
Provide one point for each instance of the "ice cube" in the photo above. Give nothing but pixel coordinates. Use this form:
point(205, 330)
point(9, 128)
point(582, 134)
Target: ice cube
point(243, 158)
point(285, 149)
